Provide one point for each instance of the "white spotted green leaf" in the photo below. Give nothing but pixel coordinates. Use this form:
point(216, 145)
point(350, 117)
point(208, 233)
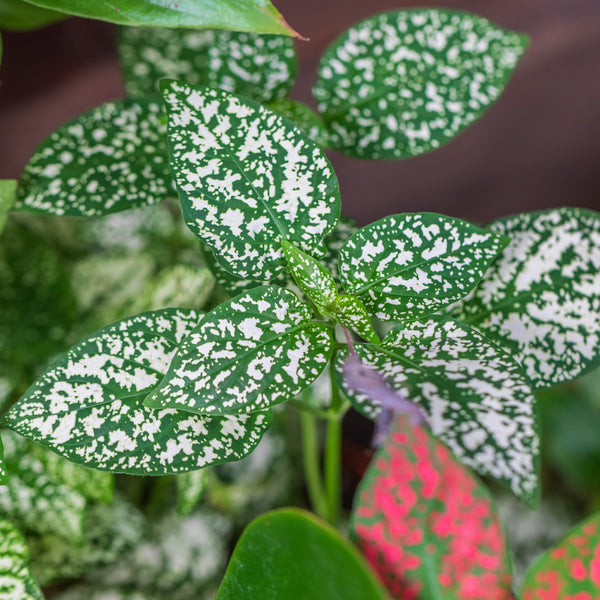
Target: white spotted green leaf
point(405, 82)
point(109, 159)
point(190, 489)
point(416, 263)
point(304, 118)
point(541, 298)
point(256, 350)
point(350, 312)
point(260, 67)
point(476, 396)
point(16, 582)
point(246, 179)
point(88, 406)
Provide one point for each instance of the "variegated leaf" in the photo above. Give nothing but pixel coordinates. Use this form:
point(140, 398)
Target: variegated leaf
point(541, 299)
point(16, 583)
point(412, 264)
point(260, 67)
point(570, 570)
point(477, 398)
point(88, 406)
point(190, 489)
point(404, 82)
point(246, 179)
point(8, 192)
point(109, 159)
point(427, 526)
point(304, 118)
point(350, 312)
point(252, 352)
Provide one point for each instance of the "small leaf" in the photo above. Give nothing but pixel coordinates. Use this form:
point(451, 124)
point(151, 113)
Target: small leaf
point(411, 264)
point(252, 352)
point(404, 82)
point(304, 118)
point(16, 583)
point(427, 526)
point(190, 489)
point(8, 189)
point(246, 179)
point(570, 570)
point(476, 397)
point(88, 406)
point(21, 16)
point(3, 472)
point(290, 554)
point(244, 15)
point(350, 312)
point(260, 67)
point(109, 159)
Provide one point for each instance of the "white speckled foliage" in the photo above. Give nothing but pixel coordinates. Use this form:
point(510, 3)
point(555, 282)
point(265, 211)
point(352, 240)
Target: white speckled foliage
point(88, 405)
point(350, 312)
point(410, 264)
point(476, 396)
point(16, 583)
point(304, 118)
point(109, 159)
point(252, 352)
point(246, 179)
point(541, 298)
point(260, 67)
point(404, 82)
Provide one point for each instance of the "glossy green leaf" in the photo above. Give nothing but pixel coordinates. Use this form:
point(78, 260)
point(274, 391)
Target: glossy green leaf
point(109, 159)
point(570, 570)
point(404, 82)
point(476, 397)
point(350, 312)
point(8, 189)
point(88, 406)
point(16, 582)
point(22, 16)
point(259, 349)
point(291, 554)
point(304, 118)
point(427, 526)
point(261, 67)
point(246, 179)
point(416, 263)
point(243, 15)
point(190, 489)
point(541, 299)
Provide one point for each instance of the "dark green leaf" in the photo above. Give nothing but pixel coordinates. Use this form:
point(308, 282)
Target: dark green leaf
point(22, 16)
point(3, 473)
point(304, 118)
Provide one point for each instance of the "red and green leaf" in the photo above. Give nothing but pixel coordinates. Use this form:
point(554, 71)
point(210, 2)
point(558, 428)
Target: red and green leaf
point(426, 524)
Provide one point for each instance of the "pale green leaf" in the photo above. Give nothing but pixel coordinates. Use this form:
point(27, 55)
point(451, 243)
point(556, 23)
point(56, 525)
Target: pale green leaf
point(476, 397)
point(350, 312)
point(252, 352)
point(8, 189)
point(17, 15)
point(304, 118)
point(88, 406)
point(541, 298)
point(190, 489)
point(243, 15)
point(411, 264)
point(16, 582)
point(404, 82)
point(246, 179)
point(109, 159)
point(260, 67)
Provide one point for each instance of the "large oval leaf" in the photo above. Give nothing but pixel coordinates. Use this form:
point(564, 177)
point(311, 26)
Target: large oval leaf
point(541, 299)
point(254, 351)
point(410, 264)
point(427, 526)
point(477, 399)
point(261, 67)
point(246, 178)
point(290, 554)
point(88, 405)
point(404, 82)
point(22, 16)
point(109, 159)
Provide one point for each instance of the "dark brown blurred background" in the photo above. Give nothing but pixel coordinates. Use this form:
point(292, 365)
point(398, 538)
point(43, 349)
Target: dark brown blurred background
point(538, 147)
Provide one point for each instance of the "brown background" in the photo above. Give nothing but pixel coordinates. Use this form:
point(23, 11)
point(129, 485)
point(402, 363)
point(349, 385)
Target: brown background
point(538, 147)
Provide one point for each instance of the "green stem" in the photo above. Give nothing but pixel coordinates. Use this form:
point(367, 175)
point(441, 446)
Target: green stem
point(310, 448)
point(333, 454)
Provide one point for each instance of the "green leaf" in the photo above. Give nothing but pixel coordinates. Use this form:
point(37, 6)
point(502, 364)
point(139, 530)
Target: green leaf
point(261, 67)
point(304, 118)
point(427, 526)
point(88, 406)
point(415, 263)
point(405, 82)
point(476, 396)
point(190, 489)
point(252, 352)
point(8, 189)
point(246, 179)
point(3, 472)
point(16, 582)
point(350, 312)
point(569, 570)
point(109, 159)
point(22, 16)
point(290, 554)
point(541, 299)
point(244, 15)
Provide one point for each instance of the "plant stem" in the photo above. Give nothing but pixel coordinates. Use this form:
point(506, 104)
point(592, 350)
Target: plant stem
point(312, 471)
point(333, 454)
